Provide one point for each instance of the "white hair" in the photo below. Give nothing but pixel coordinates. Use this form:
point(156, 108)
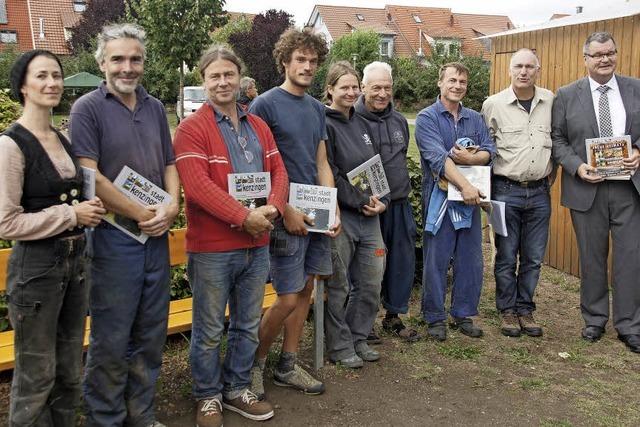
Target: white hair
point(374, 66)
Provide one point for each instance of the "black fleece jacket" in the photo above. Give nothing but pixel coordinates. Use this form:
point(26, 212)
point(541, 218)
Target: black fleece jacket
point(349, 144)
point(391, 131)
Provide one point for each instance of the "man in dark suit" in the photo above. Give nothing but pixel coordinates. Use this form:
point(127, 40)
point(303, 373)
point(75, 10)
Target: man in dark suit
point(602, 104)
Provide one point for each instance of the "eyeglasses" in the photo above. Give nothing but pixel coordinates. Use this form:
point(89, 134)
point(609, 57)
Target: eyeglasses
point(601, 56)
point(248, 155)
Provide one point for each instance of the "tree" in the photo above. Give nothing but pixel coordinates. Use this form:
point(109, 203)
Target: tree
point(360, 47)
point(98, 14)
point(7, 57)
point(234, 26)
point(256, 46)
point(178, 30)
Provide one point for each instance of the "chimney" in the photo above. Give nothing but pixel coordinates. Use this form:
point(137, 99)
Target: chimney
point(578, 9)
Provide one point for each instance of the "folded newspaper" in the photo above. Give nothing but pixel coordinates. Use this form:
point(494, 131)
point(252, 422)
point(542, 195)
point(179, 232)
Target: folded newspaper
point(370, 178)
point(318, 203)
point(141, 190)
point(606, 155)
point(250, 189)
point(478, 176)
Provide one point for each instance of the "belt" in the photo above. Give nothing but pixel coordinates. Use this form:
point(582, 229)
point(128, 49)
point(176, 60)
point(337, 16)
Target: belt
point(524, 184)
point(64, 246)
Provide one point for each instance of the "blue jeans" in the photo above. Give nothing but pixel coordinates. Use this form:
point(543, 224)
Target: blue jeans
point(399, 233)
point(464, 246)
point(527, 212)
point(358, 258)
point(237, 277)
point(129, 306)
point(47, 295)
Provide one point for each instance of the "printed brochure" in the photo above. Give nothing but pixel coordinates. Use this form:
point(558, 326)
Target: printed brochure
point(250, 189)
point(141, 190)
point(606, 155)
point(319, 203)
point(370, 178)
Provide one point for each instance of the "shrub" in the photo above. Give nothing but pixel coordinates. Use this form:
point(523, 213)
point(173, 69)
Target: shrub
point(9, 111)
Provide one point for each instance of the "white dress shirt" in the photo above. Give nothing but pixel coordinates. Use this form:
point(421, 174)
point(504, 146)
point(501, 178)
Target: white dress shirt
point(616, 107)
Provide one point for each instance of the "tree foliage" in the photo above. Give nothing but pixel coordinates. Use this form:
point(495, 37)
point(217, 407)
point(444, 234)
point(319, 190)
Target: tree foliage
point(10, 110)
point(177, 31)
point(234, 26)
point(98, 14)
point(8, 56)
point(416, 84)
point(360, 47)
point(255, 47)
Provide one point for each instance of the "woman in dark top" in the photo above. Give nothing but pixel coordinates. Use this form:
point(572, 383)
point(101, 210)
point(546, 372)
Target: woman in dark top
point(41, 208)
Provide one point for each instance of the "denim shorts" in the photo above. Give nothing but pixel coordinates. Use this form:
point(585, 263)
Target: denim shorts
point(294, 258)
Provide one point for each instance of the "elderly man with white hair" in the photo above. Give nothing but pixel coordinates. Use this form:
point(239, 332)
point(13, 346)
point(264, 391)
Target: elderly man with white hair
point(390, 132)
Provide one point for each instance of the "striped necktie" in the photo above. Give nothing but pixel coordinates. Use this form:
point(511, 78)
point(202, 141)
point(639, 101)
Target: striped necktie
point(604, 113)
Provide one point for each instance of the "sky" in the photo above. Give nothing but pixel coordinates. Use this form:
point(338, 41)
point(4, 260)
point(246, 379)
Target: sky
point(535, 11)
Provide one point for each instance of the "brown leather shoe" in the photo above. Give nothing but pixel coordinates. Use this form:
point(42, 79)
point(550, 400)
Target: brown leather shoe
point(529, 325)
point(248, 405)
point(509, 325)
point(209, 413)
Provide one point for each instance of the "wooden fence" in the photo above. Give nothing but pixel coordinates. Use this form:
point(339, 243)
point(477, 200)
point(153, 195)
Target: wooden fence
point(560, 53)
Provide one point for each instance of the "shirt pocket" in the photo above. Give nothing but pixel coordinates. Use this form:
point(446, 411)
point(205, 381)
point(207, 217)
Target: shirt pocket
point(542, 133)
point(512, 136)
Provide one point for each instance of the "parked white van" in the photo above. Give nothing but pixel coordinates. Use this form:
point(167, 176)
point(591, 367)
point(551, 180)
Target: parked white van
point(193, 99)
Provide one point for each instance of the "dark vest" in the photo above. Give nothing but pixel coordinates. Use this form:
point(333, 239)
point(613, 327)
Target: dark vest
point(43, 186)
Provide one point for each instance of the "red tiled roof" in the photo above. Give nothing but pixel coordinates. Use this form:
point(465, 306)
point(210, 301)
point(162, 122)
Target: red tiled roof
point(18, 21)
point(53, 24)
point(70, 18)
point(401, 20)
point(341, 19)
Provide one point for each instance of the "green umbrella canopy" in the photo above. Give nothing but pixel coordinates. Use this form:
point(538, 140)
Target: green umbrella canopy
point(82, 80)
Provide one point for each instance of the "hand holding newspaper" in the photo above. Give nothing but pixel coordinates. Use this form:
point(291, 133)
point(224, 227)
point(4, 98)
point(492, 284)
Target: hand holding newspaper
point(369, 177)
point(317, 202)
point(478, 176)
point(607, 155)
point(139, 189)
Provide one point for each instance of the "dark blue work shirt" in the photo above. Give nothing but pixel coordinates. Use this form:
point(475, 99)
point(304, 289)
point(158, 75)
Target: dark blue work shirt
point(436, 133)
point(103, 129)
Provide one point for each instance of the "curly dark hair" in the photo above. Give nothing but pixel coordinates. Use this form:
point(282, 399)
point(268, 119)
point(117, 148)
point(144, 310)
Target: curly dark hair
point(293, 39)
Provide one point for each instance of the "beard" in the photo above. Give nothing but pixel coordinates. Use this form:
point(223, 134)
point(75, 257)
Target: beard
point(121, 87)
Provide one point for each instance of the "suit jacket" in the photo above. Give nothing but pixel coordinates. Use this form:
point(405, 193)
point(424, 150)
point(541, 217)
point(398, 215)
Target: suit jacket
point(573, 121)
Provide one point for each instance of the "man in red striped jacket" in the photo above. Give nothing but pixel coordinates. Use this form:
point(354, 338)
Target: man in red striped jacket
point(226, 241)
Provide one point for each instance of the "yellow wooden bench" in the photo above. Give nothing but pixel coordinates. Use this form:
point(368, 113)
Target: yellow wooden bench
point(179, 310)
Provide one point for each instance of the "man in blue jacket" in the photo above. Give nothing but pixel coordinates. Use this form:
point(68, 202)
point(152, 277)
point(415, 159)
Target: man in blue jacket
point(444, 131)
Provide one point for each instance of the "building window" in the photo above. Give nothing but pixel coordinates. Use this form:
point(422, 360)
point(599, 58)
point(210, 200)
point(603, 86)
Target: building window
point(417, 19)
point(79, 5)
point(360, 17)
point(42, 28)
point(8, 36)
point(385, 49)
point(3, 12)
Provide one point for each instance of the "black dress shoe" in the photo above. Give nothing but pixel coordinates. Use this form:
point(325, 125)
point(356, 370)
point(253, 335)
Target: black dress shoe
point(631, 341)
point(592, 333)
